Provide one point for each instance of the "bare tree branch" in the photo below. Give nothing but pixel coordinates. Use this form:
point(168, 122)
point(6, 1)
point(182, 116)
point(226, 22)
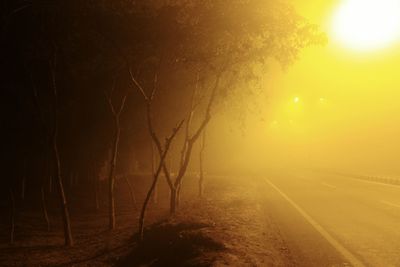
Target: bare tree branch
point(193, 106)
point(207, 115)
point(137, 84)
point(153, 92)
point(110, 103)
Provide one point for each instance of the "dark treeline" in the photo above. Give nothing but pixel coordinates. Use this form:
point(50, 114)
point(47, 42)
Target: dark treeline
point(89, 83)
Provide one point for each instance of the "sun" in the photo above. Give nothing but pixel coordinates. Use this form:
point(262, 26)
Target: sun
point(366, 25)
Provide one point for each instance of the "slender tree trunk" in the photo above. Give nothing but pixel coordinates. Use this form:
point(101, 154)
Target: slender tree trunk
point(12, 216)
point(48, 166)
point(189, 142)
point(173, 201)
point(174, 197)
point(111, 177)
point(44, 208)
point(156, 175)
point(201, 174)
point(131, 192)
point(161, 164)
point(144, 208)
point(153, 171)
point(113, 163)
point(63, 199)
point(178, 195)
point(155, 195)
point(155, 139)
point(57, 163)
point(111, 201)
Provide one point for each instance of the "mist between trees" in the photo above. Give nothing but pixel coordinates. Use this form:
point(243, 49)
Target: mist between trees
point(94, 91)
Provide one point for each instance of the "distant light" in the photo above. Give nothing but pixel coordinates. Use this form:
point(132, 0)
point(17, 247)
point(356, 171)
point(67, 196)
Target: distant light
point(274, 124)
point(296, 99)
point(322, 100)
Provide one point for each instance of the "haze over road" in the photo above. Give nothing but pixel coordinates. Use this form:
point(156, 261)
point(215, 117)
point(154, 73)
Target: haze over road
point(330, 220)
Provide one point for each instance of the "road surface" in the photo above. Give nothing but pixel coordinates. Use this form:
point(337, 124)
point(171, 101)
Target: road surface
point(331, 220)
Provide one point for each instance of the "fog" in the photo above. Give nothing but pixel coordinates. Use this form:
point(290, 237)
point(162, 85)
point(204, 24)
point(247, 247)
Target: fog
point(200, 133)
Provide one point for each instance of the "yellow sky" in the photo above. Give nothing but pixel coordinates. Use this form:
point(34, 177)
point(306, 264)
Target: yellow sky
point(335, 67)
point(356, 125)
point(362, 89)
point(358, 121)
point(365, 80)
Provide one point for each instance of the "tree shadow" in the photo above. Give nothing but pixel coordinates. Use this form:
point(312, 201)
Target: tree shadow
point(173, 244)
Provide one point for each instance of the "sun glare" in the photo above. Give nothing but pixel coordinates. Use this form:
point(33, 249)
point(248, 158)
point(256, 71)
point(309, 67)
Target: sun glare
point(366, 25)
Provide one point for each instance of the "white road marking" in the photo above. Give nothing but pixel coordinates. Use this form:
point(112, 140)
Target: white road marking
point(390, 204)
point(342, 250)
point(373, 182)
point(329, 185)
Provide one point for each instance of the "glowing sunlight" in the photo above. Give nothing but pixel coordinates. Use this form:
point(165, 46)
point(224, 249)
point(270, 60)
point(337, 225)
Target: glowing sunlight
point(366, 25)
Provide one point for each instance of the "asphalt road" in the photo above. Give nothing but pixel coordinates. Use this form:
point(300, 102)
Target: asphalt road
point(329, 220)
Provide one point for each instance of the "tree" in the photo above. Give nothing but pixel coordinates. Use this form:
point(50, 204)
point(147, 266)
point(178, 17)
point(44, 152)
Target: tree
point(201, 164)
point(163, 150)
point(60, 186)
point(229, 42)
point(116, 112)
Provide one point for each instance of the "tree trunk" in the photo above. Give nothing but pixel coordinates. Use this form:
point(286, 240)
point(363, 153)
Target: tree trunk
point(113, 163)
point(60, 186)
point(44, 209)
point(153, 165)
point(155, 180)
point(178, 195)
point(131, 192)
point(12, 216)
point(111, 204)
point(111, 178)
point(159, 168)
point(144, 208)
point(63, 199)
point(174, 197)
point(201, 174)
point(173, 201)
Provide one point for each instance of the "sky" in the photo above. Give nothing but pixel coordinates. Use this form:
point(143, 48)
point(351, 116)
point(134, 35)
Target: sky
point(338, 105)
point(361, 87)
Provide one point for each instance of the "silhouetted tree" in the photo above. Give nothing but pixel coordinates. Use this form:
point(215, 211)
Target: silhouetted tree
point(116, 112)
point(228, 41)
point(56, 156)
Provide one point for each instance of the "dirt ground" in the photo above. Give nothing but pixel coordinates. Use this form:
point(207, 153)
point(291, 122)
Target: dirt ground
point(230, 226)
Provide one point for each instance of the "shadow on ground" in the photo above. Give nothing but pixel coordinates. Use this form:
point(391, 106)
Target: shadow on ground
point(174, 244)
